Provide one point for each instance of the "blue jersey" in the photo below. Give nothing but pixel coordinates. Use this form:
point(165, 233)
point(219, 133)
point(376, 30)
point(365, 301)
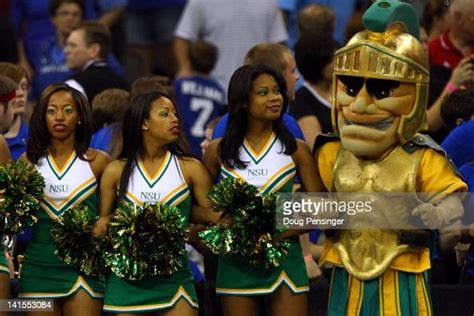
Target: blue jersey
point(49, 65)
point(199, 101)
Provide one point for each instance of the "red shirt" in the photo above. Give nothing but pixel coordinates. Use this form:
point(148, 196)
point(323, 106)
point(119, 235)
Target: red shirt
point(443, 53)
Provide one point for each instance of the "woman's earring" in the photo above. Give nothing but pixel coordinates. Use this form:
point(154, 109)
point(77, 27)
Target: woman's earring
point(144, 128)
point(79, 123)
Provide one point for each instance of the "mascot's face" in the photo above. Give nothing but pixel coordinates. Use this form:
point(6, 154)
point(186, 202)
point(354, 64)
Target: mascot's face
point(369, 111)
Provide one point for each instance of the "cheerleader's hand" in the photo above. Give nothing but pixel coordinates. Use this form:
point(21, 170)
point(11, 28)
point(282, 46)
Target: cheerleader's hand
point(225, 221)
point(193, 236)
point(100, 227)
point(312, 268)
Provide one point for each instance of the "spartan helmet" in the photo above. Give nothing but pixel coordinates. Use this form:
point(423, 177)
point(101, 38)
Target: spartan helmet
point(388, 49)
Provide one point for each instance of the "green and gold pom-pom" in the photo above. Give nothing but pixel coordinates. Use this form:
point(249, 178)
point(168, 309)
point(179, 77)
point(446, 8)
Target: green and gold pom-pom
point(122, 252)
point(21, 187)
point(231, 195)
point(75, 243)
point(146, 240)
point(253, 234)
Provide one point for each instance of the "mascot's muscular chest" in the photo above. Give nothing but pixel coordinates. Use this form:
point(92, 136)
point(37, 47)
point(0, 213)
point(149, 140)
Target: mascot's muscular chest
point(367, 253)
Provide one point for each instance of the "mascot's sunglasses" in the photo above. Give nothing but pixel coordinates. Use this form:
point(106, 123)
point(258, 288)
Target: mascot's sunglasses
point(379, 88)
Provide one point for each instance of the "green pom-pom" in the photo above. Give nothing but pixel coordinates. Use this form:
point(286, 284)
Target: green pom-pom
point(253, 235)
point(75, 244)
point(22, 188)
point(232, 195)
point(146, 240)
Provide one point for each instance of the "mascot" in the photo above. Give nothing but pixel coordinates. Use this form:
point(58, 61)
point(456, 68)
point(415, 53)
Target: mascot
point(379, 101)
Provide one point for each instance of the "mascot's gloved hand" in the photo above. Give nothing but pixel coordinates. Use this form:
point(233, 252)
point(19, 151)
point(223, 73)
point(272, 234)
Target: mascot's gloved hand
point(445, 213)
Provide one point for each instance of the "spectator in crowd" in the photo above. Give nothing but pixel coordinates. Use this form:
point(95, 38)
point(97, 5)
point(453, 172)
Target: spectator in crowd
point(149, 30)
point(152, 83)
point(17, 134)
point(461, 75)
point(234, 30)
point(49, 61)
point(199, 98)
point(208, 134)
point(457, 111)
point(312, 105)
point(435, 19)
point(108, 108)
point(459, 145)
point(32, 22)
point(450, 60)
point(450, 56)
point(458, 108)
point(316, 20)
point(7, 102)
point(343, 10)
point(452, 46)
point(33, 26)
point(86, 50)
point(48, 64)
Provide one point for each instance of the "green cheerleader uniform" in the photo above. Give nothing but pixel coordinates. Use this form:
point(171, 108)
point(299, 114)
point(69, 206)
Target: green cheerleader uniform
point(270, 171)
point(4, 263)
point(154, 293)
point(43, 275)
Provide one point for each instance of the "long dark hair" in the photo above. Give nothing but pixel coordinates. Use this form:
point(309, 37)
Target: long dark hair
point(240, 88)
point(39, 138)
point(134, 117)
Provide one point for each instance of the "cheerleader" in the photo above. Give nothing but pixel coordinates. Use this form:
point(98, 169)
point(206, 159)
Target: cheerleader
point(58, 144)
point(154, 167)
point(258, 148)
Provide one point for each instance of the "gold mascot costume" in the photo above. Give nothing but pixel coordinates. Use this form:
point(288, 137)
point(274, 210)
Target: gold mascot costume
point(380, 93)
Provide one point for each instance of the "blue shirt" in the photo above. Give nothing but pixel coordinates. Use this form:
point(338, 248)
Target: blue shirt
point(343, 9)
point(199, 100)
point(33, 16)
point(49, 65)
point(102, 138)
point(17, 144)
point(288, 120)
point(459, 145)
